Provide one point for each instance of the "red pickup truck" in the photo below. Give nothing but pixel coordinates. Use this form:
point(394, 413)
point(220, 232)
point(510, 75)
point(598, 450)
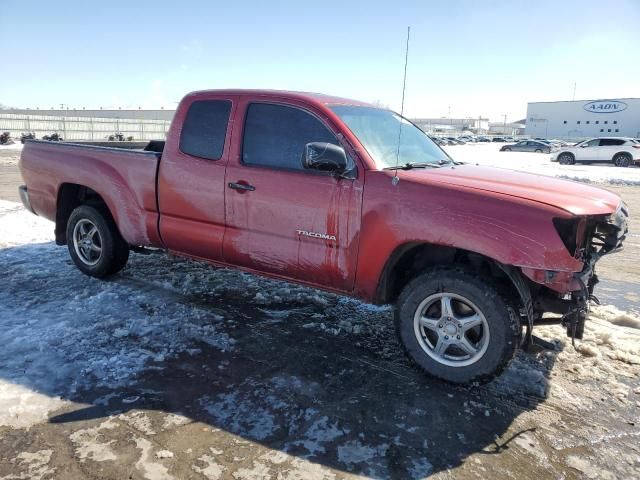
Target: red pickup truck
point(347, 197)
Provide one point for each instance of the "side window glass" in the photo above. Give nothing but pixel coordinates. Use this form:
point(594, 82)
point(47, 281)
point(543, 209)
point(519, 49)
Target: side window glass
point(205, 128)
point(275, 135)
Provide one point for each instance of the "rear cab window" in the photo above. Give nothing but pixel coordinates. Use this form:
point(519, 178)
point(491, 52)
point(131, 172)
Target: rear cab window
point(204, 129)
point(275, 135)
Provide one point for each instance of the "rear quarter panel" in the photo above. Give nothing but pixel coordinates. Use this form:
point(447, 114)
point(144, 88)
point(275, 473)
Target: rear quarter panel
point(124, 179)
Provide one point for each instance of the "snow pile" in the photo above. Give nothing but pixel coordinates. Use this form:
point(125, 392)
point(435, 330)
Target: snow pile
point(540, 163)
point(613, 315)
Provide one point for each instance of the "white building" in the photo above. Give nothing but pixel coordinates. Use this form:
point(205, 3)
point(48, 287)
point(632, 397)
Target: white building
point(584, 118)
point(452, 125)
point(511, 129)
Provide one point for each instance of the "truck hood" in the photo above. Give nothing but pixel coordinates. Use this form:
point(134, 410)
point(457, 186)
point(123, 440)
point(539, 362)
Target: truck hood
point(573, 197)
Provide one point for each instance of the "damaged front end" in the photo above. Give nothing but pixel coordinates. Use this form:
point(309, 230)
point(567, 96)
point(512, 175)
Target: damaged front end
point(588, 239)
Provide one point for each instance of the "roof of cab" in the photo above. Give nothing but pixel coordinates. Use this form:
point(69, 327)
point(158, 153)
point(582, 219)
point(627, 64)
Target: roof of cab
point(284, 94)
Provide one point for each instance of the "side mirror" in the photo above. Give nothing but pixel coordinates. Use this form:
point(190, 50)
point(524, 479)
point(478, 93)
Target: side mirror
point(324, 157)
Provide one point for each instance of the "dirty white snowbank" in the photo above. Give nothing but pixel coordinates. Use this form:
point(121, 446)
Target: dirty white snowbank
point(540, 163)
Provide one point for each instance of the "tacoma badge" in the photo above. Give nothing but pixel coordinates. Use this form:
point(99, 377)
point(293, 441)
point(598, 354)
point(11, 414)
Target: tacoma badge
point(316, 235)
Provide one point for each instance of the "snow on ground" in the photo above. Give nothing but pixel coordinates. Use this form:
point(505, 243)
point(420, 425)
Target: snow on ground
point(51, 337)
point(540, 163)
point(13, 146)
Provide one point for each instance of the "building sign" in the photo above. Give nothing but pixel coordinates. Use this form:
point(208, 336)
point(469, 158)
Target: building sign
point(605, 106)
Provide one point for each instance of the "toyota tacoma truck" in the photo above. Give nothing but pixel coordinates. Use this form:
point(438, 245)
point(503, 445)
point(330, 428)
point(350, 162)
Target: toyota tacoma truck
point(346, 197)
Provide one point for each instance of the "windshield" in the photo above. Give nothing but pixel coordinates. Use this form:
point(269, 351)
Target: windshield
point(378, 131)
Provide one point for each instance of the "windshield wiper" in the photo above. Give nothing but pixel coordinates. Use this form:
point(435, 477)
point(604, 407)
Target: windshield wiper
point(410, 165)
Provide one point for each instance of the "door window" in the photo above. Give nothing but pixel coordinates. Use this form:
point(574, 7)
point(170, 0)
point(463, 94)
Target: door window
point(275, 135)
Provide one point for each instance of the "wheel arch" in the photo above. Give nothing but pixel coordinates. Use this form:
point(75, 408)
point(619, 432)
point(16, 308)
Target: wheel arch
point(411, 259)
point(622, 152)
point(71, 196)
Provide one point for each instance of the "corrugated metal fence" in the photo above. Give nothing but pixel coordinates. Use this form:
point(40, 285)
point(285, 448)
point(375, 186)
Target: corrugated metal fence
point(83, 128)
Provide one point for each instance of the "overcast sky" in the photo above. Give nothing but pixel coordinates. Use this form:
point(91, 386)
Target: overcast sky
point(466, 58)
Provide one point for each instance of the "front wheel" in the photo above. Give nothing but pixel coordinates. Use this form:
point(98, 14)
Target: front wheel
point(566, 159)
point(94, 242)
point(506, 149)
point(455, 326)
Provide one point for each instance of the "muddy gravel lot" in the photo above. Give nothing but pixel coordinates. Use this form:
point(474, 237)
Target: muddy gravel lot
point(174, 369)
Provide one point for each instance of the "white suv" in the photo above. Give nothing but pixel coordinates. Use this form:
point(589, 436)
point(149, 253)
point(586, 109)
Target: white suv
point(622, 152)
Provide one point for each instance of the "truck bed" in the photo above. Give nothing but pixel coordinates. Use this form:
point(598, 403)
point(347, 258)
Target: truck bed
point(125, 179)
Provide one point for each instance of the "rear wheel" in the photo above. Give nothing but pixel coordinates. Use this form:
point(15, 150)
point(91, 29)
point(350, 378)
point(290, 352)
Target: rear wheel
point(94, 242)
point(538, 150)
point(455, 326)
point(622, 159)
point(566, 159)
point(506, 149)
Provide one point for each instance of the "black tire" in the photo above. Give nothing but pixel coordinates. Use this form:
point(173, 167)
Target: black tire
point(504, 329)
point(538, 150)
point(566, 158)
point(114, 251)
point(506, 149)
point(622, 159)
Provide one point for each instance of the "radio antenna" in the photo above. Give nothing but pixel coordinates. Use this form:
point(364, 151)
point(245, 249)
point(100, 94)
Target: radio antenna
point(404, 85)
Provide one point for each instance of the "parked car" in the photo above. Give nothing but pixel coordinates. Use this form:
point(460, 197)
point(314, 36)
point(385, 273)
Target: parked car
point(498, 139)
point(527, 146)
point(558, 143)
point(620, 151)
point(455, 141)
point(274, 183)
point(440, 141)
point(483, 139)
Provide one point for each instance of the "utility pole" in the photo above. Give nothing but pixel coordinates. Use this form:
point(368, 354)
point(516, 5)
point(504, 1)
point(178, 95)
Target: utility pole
point(574, 90)
point(504, 125)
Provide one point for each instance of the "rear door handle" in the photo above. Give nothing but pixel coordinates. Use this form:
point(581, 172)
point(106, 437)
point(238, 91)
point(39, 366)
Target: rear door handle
point(241, 186)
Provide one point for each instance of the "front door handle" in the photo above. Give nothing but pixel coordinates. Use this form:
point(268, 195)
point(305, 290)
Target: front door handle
point(241, 186)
